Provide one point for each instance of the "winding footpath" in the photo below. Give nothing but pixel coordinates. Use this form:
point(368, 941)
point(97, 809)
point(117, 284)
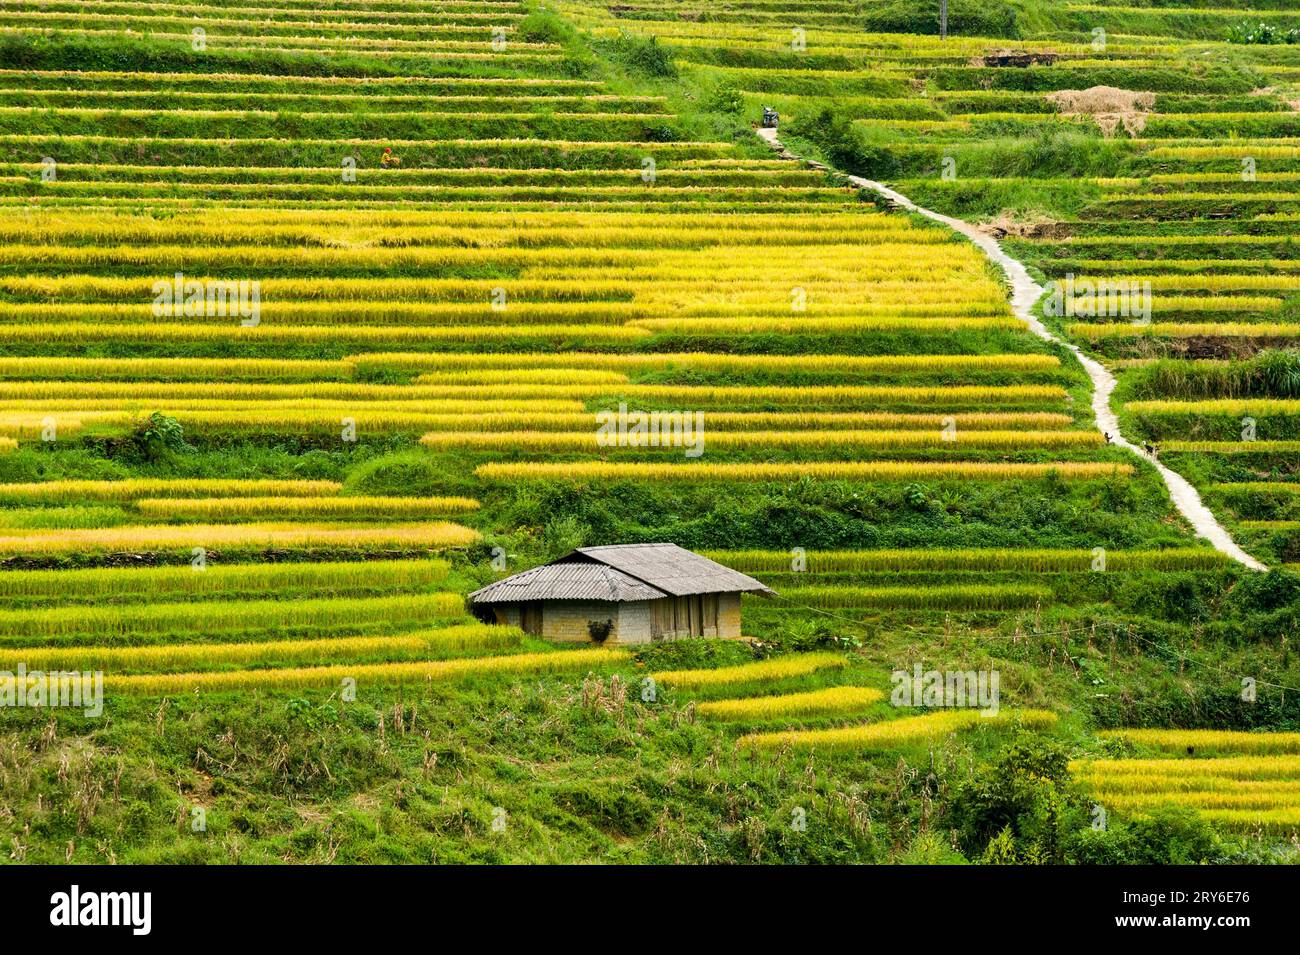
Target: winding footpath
point(1025, 292)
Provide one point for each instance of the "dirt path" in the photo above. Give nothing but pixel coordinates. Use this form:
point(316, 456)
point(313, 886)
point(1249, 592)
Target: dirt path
point(1024, 293)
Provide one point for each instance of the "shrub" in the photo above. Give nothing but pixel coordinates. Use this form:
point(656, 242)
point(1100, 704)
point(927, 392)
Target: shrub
point(159, 436)
point(1021, 800)
point(1168, 835)
point(844, 145)
point(642, 55)
point(724, 98)
point(1269, 591)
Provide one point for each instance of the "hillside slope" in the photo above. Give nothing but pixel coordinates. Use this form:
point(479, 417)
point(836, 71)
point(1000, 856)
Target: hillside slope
point(310, 315)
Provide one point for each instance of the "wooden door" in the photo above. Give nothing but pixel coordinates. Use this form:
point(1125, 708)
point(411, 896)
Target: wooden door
point(530, 617)
point(662, 617)
point(709, 604)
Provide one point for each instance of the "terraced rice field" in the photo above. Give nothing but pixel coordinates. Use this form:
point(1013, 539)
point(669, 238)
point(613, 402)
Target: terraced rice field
point(1239, 780)
point(1160, 212)
point(235, 247)
point(314, 319)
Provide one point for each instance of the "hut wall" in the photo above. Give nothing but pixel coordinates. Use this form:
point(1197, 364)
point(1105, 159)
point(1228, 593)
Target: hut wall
point(728, 615)
point(635, 622)
point(567, 619)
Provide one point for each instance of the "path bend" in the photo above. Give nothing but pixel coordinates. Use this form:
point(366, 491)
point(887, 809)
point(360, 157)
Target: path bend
point(1025, 292)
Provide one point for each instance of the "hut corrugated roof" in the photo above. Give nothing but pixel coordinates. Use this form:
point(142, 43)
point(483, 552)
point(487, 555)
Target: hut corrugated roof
point(674, 570)
point(567, 582)
point(621, 573)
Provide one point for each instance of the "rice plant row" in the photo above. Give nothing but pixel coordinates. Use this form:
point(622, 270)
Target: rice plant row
point(77, 332)
point(703, 361)
point(892, 734)
point(1208, 742)
point(94, 583)
point(724, 309)
point(1280, 488)
point(218, 537)
point(134, 489)
point(777, 668)
point(1233, 447)
point(216, 416)
point(830, 701)
point(957, 597)
point(876, 471)
point(309, 508)
point(1126, 774)
point(430, 671)
point(458, 638)
point(895, 262)
point(1255, 791)
point(692, 396)
point(1263, 330)
point(990, 559)
point(172, 369)
point(122, 621)
point(592, 441)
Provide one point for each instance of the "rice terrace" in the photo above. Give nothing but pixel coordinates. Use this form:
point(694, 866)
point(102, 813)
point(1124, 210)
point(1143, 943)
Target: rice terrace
point(649, 432)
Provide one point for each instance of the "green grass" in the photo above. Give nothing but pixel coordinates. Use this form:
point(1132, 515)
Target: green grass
point(229, 687)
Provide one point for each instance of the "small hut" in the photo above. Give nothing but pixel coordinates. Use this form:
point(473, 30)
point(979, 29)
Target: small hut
point(622, 593)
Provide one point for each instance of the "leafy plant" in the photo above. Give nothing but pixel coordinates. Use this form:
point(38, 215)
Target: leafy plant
point(1261, 33)
point(158, 436)
point(1018, 806)
point(724, 98)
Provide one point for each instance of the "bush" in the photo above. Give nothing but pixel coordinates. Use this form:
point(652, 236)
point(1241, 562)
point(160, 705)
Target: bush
point(1019, 808)
point(1170, 835)
point(724, 98)
point(641, 55)
point(545, 26)
point(156, 438)
point(844, 146)
point(1273, 590)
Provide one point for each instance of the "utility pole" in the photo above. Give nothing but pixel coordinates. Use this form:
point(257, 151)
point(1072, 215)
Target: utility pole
point(943, 19)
